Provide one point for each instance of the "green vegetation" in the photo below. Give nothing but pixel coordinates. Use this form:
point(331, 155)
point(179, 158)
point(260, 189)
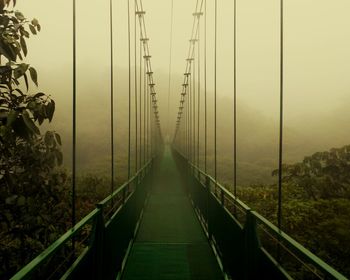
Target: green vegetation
point(32, 188)
point(35, 199)
point(316, 204)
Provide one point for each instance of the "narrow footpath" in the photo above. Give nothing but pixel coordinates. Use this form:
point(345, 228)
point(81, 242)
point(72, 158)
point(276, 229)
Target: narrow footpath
point(170, 244)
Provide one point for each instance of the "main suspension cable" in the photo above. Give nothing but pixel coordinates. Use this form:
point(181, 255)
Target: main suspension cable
point(151, 85)
point(187, 81)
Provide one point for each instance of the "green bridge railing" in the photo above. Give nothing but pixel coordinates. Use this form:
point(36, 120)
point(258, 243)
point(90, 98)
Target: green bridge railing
point(248, 245)
point(109, 231)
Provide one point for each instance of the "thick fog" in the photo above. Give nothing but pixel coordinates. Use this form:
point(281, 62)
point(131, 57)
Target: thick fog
point(317, 66)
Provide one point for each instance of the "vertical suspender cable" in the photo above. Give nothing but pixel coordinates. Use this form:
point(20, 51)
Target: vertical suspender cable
point(205, 87)
point(235, 98)
point(147, 112)
point(151, 119)
point(199, 90)
point(112, 94)
point(188, 123)
point(74, 117)
point(149, 150)
point(215, 78)
point(140, 107)
point(144, 113)
point(170, 60)
point(135, 87)
point(129, 69)
point(190, 114)
point(183, 123)
point(194, 105)
point(280, 159)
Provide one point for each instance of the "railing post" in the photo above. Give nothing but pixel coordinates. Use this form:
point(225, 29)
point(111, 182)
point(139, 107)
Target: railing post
point(207, 185)
point(251, 248)
point(124, 192)
point(222, 197)
point(188, 174)
point(99, 243)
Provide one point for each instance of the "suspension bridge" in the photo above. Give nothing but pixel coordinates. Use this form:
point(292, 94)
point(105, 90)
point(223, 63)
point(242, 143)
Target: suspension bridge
point(172, 219)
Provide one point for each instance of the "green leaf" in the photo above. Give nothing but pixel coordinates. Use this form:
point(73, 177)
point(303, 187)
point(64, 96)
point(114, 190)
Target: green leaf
point(26, 81)
point(59, 157)
point(19, 15)
point(4, 51)
point(32, 29)
point(25, 33)
point(33, 75)
point(4, 70)
point(21, 201)
point(3, 130)
point(50, 109)
point(48, 138)
point(12, 51)
point(23, 46)
point(58, 139)
point(12, 116)
point(11, 199)
point(20, 70)
point(40, 119)
point(29, 123)
point(35, 22)
point(31, 105)
point(39, 94)
point(20, 129)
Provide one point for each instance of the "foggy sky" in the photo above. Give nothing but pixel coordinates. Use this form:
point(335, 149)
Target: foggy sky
point(317, 56)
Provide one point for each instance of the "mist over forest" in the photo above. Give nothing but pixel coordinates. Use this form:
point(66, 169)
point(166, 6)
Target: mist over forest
point(40, 199)
point(257, 130)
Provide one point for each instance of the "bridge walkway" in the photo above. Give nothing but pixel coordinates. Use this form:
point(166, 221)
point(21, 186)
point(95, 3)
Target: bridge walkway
point(170, 243)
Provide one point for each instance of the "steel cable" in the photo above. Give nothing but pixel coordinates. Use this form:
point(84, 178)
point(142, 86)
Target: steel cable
point(74, 125)
point(235, 99)
point(135, 88)
point(215, 88)
point(112, 94)
point(280, 152)
point(129, 68)
point(170, 60)
point(205, 88)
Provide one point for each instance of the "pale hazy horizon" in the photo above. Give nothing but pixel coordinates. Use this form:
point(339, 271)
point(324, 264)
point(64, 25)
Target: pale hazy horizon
point(317, 62)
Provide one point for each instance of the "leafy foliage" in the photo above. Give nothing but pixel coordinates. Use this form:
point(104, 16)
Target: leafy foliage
point(315, 204)
point(33, 197)
point(323, 175)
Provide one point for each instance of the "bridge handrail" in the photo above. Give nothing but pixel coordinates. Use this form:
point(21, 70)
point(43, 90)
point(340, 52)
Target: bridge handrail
point(32, 266)
point(309, 256)
point(216, 183)
point(280, 235)
point(126, 184)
